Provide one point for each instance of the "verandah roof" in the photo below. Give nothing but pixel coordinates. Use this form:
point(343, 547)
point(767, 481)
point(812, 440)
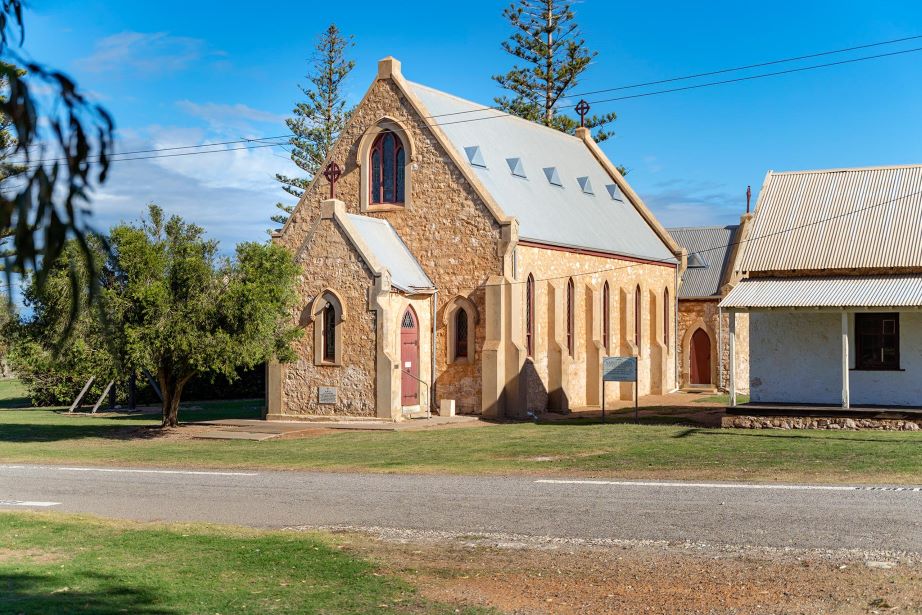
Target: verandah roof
point(898, 291)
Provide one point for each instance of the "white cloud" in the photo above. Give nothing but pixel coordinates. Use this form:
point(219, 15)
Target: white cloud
point(680, 202)
point(237, 118)
point(146, 53)
point(232, 194)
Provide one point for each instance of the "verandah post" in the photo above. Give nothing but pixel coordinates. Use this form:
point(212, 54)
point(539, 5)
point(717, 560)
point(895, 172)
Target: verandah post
point(846, 402)
point(732, 361)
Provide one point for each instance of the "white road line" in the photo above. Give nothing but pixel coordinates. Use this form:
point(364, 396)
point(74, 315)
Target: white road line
point(26, 503)
point(626, 483)
point(128, 471)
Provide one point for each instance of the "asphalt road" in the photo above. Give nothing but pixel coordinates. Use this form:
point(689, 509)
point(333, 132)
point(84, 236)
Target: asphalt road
point(800, 516)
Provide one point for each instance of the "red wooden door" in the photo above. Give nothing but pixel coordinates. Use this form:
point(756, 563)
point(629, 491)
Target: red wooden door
point(409, 358)
point(700, 358)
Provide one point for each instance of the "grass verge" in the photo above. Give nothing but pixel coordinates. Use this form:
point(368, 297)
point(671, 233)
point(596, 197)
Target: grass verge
point(13, 394)
point(585, 448)
point(55, 564)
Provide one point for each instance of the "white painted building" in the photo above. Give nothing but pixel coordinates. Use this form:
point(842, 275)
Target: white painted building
point(833, 288)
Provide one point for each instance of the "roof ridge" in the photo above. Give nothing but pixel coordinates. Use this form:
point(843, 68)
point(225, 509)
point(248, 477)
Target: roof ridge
point(487, 108)
point(850, 169)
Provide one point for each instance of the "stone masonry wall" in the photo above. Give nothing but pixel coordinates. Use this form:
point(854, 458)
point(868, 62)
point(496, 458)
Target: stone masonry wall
point(801, 422)
point(693, 313)
point(446, 226)
point(550, 266)
point(332, 262)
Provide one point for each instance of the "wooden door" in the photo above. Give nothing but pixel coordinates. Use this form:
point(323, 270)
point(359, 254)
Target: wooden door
point(409, 358)
point(700, 351)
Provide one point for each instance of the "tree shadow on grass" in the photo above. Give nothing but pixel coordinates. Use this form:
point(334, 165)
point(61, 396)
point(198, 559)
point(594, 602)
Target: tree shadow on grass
point(29, 593)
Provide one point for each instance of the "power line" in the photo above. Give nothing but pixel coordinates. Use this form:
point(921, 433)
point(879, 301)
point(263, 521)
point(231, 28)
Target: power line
point(500, 114)
point(708, 84)
point(726, 245)
point(707, 74)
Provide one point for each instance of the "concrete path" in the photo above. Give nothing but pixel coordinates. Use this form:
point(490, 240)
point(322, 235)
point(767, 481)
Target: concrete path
point(802, 516)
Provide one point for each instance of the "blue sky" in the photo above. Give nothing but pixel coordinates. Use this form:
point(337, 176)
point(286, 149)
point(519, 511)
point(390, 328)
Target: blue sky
point(179, 73)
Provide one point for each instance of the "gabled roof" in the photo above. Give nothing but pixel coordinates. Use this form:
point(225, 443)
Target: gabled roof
point(840, 219)
point(388, 248)
point(710, 250)
point(564, 215)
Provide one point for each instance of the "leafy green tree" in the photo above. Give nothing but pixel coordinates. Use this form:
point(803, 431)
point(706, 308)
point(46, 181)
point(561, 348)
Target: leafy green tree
point(186, 311)
point(318, 120)
point(53, 354)
point(547, 39)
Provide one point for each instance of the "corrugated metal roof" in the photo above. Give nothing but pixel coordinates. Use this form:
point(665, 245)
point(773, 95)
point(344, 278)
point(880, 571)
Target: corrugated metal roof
point(562, 215)
point(387, 246)
point(838, 219)
point(712, 246)
point(829, 292)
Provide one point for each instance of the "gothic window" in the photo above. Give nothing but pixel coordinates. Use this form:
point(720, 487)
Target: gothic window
point(461, 333)
point(637, 318)
point(329, 331)
point(571, 312)
point(606, 316)
point(388, 160)
point(666, 325)
point(530, 315)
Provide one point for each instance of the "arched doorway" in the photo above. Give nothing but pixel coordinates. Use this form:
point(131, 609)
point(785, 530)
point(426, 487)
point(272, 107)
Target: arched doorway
point(700, 358)
point(409, 358)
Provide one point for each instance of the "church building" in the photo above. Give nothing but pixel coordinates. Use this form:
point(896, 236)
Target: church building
point(464, 257)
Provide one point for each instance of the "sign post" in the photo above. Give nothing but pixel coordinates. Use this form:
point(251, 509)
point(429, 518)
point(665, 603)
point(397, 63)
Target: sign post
point(619, 369)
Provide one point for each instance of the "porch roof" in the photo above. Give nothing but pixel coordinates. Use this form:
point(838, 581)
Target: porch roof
point(844, 292)
point(390, 250)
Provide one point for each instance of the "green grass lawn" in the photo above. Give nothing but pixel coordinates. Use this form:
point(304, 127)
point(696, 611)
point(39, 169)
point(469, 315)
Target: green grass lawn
point(578, 447)
point(13, 394)
point(62, 564)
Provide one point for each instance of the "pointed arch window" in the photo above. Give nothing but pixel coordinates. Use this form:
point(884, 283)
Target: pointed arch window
point(637, 318)
point(530, 315)
point(461, 323)
point(666, 318)
point(606, 316)
point(388, 161)
point(327, 314)
point(571, 313)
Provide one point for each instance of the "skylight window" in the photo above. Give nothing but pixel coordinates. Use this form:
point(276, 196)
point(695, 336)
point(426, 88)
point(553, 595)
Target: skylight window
point(515, 165)
point(585, 184)
point(475, 157)
point(553, 176)
point(696, 262)
point(615, 192)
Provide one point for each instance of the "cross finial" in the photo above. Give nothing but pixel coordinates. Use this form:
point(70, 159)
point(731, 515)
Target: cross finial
point(332, 173)
point(582, 107)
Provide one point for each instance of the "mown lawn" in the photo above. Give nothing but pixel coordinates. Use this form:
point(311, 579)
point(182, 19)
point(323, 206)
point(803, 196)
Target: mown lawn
point(62, 564)
point(13, 394)
point(578, 447)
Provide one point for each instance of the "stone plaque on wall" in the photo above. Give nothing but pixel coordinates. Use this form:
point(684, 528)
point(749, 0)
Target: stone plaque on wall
point(326, 395)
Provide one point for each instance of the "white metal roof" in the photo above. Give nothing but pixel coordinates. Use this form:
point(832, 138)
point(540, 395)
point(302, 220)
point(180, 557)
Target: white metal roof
point(868, 218)
point(565, 214)
point(897, 291)
point(387, 246)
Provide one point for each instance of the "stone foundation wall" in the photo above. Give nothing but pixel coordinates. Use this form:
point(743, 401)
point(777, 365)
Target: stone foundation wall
point(810, 422)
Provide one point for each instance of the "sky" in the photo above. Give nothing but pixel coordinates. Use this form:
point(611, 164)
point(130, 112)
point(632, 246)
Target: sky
point(182, 73)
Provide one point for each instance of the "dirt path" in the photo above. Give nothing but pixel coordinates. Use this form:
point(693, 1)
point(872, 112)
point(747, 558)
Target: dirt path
point(527, 576)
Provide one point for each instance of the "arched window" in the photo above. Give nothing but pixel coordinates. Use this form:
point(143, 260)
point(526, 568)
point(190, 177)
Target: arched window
point(388, 160)
point(328, 322)
point(637, 318)
point(530, 315)
point(571, 291)
point(327, 314)
point(606, 316)
point(666, 324)
point(461, 333)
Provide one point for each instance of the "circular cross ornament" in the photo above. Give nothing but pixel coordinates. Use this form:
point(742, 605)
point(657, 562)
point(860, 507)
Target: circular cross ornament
point(332, 173)
point(582, 107)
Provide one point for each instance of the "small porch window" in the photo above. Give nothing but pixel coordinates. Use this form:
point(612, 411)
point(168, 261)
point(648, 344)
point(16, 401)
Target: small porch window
point(877, 341)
